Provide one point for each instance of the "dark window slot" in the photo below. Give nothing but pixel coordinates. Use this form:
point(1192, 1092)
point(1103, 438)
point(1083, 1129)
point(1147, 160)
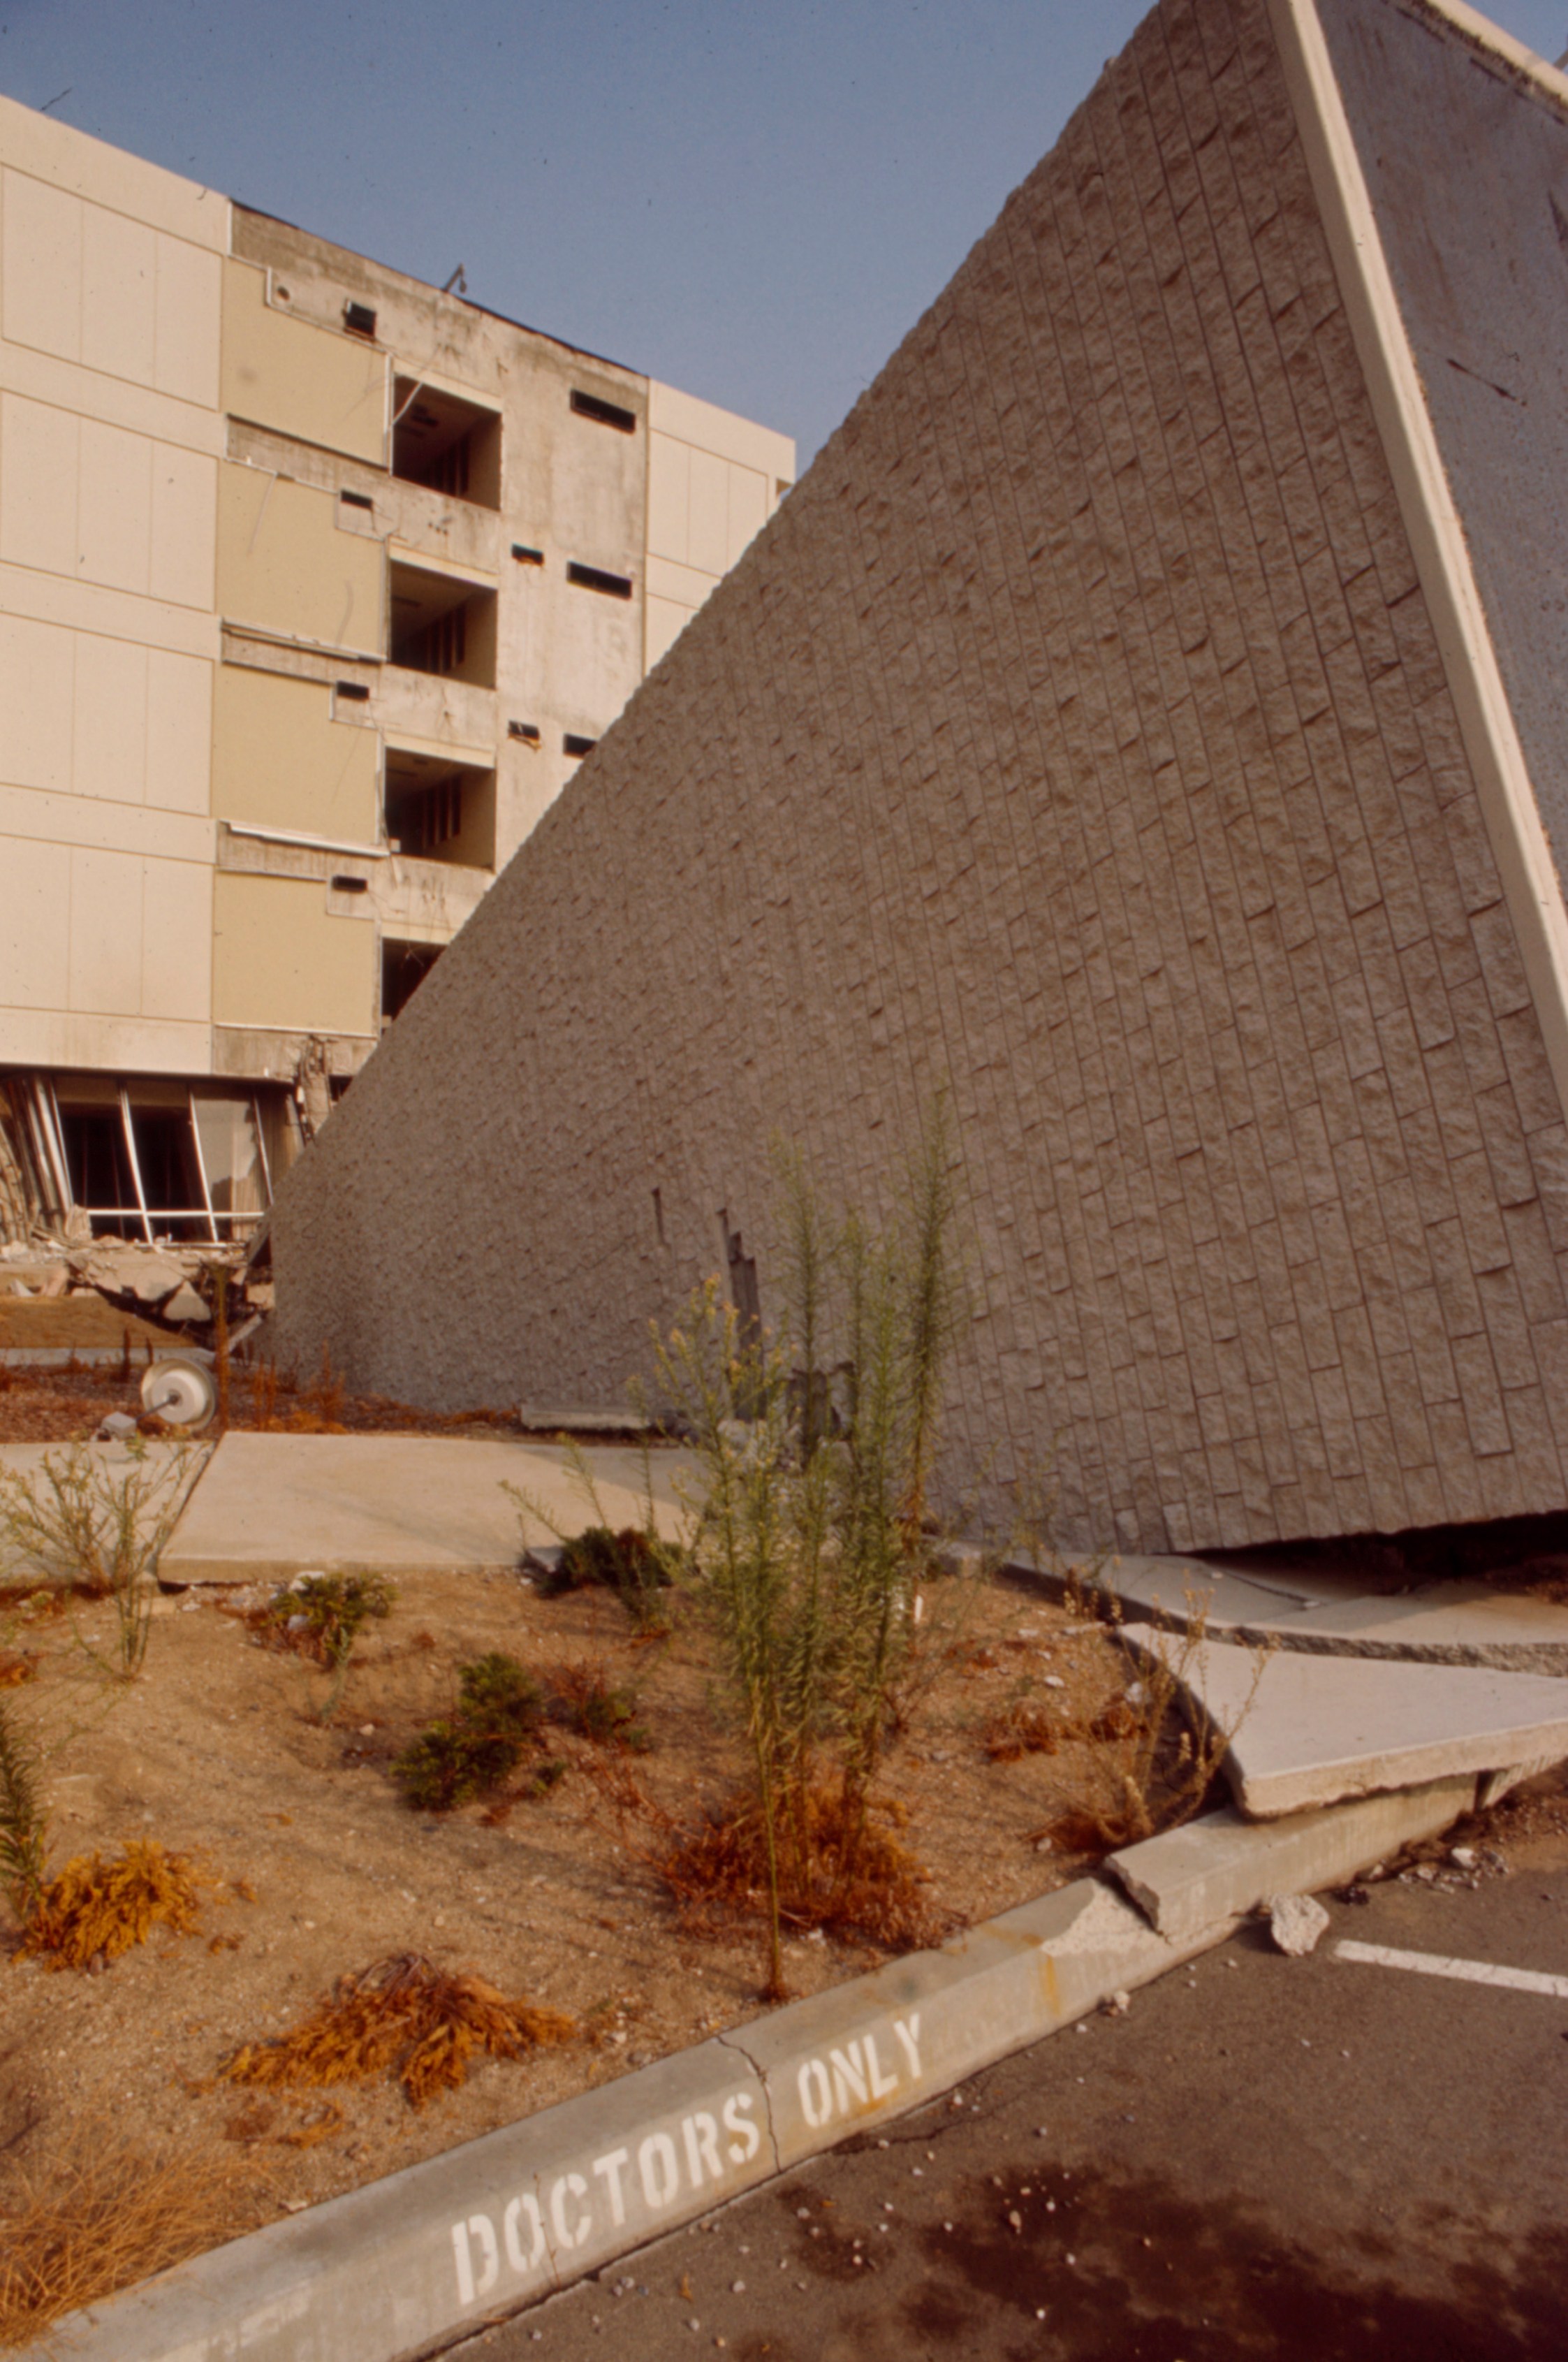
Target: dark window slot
point(357, 500)
point(526, 557)
point(358, 319)
point(350, 885)
point(354, 691)
point(575, 746)
point(528, 731)
point(603, 413)
point(593, 577)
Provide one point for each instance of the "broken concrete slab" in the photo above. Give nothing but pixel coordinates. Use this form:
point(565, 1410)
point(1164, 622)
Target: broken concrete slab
point(1316, 1729)
point(1221, 1863)
point(1463, 1623)
point(271, 1506)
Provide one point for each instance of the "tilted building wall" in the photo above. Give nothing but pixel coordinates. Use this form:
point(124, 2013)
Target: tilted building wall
point(1075, 739)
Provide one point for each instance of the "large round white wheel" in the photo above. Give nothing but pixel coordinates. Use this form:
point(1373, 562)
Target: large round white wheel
point(180, 1392)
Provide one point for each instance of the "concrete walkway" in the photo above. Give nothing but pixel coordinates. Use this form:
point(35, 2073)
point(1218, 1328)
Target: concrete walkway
point(274, 1505)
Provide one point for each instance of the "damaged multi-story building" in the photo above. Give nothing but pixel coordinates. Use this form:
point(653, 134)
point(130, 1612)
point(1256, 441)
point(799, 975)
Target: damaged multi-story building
point(316, 584)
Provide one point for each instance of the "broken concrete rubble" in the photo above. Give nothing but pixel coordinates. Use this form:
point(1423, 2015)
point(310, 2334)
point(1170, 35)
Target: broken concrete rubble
point(1296, 1922)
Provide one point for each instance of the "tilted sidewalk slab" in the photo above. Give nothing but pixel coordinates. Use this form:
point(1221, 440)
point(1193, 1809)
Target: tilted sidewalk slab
point(1315, 1729)
point(1186, 1878)
point(430, 2254)
point(273, 1505)
point(1329, 1615)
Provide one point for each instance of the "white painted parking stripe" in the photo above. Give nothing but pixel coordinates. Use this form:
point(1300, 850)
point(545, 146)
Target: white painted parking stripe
point(1435, 1964)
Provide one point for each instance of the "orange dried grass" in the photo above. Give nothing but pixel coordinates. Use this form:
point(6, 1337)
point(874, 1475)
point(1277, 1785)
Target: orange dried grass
point(840, 1869)
point(15, 1667)
point(96, 1906)
point(403, 2013)
point(92, 2218)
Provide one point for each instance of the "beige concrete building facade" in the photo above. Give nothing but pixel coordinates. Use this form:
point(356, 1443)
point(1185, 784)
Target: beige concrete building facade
point(1144, 722)
point(316, 584)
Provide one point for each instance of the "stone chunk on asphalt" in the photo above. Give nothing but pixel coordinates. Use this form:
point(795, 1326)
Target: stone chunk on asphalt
point(1296, 1922)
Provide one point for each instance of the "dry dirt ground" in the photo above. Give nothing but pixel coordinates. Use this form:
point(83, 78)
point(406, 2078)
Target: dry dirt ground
point(218, 1750)
point(62, 1405)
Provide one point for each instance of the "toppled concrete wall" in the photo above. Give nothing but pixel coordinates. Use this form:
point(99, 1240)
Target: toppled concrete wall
point(1075, 737)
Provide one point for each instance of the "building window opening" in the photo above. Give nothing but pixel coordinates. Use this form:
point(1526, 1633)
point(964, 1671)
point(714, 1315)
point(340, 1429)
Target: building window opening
point(593, 577)
point(148, 1157)
point(358, 319)
point(440, 810)
point(577, 747)
point(602, 413)
point(405, 968)
point(442, 624)
point(448, 445)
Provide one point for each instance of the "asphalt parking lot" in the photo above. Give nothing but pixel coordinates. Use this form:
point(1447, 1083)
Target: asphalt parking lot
point(1265, 2157)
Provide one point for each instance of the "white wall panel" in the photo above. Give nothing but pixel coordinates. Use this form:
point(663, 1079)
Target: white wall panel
point(106, 950)
point(669, 494)
point(109, 752)
point(707, 531)
point(178, 732)
point(38, 486)
point(114, 506)
point(189, 308)
point(184, 525)
point(33, 926)
point(36, 665)
point(119, 265)
point(40, 266)
point(177, 941)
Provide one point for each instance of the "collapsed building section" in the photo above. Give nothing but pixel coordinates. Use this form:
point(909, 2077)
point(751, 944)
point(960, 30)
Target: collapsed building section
point(1143, 724)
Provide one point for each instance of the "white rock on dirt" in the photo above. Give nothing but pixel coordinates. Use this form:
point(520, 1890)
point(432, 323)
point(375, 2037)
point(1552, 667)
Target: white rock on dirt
point(1296, 1922)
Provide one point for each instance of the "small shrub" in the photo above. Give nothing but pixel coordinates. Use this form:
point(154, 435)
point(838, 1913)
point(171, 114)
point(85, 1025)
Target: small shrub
point(632, 1563)
point(451, 1763)
point(103, 2212)
point(322, 1614)
point(468, 1754)
point(405, 2014)
point(589, 1706)
point(95, 1906)
point(497, 1695)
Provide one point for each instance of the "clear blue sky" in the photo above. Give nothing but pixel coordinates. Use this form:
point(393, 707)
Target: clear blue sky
point(752, 199)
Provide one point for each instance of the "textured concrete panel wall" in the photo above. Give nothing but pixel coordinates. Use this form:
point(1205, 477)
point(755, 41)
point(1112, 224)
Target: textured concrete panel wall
point(1074, 735)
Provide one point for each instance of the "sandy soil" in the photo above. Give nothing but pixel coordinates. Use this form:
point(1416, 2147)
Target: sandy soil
point(218, 1750)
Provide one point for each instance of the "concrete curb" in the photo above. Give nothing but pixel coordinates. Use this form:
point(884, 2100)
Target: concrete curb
point(429, 2256)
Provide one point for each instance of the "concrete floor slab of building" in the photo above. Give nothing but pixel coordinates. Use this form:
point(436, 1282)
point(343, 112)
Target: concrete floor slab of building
point(271, 1507)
